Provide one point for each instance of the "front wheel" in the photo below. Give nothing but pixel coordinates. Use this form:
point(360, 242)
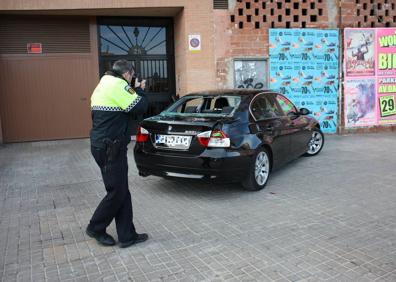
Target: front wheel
point(316, 143)
point(259, 171)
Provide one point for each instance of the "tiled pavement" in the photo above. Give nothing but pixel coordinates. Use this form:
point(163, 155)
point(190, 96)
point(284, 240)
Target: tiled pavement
point(331, 217)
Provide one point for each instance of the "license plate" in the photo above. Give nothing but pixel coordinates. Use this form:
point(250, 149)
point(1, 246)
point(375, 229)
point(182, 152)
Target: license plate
point(173, 141)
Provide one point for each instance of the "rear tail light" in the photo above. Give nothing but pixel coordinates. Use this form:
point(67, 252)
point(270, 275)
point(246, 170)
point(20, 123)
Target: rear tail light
point(142, 135)
point(215, 139)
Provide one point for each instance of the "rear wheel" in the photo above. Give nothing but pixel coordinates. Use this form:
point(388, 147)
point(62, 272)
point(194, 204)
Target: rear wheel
point(316, 143)
point(259, 171)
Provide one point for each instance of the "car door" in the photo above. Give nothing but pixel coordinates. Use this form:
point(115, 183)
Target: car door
point(298, 125)
point(272, 127)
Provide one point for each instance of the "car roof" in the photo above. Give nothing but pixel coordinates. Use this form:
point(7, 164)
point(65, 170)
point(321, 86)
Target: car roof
point(232, 92)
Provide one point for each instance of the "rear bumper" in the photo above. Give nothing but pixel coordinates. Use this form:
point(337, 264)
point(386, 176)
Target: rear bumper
point(213, 164)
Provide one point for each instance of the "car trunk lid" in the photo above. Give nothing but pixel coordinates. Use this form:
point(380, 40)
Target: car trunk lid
point(178, 134)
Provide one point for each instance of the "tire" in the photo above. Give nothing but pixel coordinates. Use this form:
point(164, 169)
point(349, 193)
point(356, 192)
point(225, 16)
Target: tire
point(259, 171)
point(316, 143)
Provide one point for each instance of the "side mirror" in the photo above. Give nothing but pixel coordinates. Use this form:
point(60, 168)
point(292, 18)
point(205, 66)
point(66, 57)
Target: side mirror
point(304, 111)
point(293, 115)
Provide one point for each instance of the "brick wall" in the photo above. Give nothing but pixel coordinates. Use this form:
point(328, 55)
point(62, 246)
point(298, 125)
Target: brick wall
point(368, 13)
point(194, 71)
point(200, 66)
point(243, 28)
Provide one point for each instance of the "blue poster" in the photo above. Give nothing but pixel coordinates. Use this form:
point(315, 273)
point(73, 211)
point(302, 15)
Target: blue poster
point(303, 66)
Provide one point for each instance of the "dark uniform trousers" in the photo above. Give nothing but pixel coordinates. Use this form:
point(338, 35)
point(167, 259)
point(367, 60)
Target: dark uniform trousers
point(117, 203)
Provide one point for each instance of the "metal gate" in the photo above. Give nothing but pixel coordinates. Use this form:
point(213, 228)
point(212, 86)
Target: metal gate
point(148, 44)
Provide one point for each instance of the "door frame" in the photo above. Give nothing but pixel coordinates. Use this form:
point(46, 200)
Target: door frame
point(170, 52)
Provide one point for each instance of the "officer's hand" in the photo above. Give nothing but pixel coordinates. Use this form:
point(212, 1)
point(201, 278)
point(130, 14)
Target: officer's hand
point(137, 83)
point(143, 84)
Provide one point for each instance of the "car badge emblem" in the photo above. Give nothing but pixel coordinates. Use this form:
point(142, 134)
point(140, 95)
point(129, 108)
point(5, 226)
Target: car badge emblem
point(169, 128)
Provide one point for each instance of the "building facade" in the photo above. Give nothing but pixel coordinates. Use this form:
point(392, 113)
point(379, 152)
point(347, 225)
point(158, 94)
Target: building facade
point(53, 52)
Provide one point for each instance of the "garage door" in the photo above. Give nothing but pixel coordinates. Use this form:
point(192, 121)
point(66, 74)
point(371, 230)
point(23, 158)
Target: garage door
point(46, 96)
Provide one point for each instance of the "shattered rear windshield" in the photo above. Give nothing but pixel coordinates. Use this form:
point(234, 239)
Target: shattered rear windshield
point(219, 105)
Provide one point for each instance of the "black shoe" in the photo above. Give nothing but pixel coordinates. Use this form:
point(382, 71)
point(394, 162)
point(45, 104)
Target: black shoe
point(138, 239)
point(102, 238)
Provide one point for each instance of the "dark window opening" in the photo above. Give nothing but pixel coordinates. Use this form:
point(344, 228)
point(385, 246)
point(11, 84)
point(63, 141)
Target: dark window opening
point(387, 13)
point(287, 24)
point(280, 18)
point(256, 12)
point(241, 25)
point(295, 18)
point(264, 18)
point(379, 6)
point(272, 12)
point(257, 25)
point(279, 5)
point(240, 12)
point(303, 24)
point(296, 5)
point(264, 5)
point(287, 12)
point(232, 18)
point(148, 45)
point(364, 6)
point(365, 19)
point(313, 18)
point(304, 12)
point(272, 24)
point(387, 24)
point(312, 5)
point(247, 5)
point(249, 18)
point(320, 11)
point(372, 12)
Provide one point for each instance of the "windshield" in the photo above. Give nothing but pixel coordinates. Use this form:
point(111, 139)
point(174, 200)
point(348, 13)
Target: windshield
point(204, 106)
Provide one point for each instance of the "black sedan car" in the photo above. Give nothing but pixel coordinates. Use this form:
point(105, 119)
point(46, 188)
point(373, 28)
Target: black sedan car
point(227, 135)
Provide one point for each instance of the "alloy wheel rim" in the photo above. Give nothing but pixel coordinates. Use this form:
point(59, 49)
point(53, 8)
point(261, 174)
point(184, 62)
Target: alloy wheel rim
point(315, 143)
point(261, 171)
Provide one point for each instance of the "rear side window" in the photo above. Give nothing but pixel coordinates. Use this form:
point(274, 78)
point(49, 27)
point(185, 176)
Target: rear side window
point(264, 107)
point(285, 104)
point(204, 106)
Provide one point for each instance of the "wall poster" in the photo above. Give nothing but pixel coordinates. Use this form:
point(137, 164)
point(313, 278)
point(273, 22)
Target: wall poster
point(367, 81)
point(359, 52)
point(304, 67)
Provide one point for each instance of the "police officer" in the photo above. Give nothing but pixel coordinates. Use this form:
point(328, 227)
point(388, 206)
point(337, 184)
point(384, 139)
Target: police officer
point(112, 103)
